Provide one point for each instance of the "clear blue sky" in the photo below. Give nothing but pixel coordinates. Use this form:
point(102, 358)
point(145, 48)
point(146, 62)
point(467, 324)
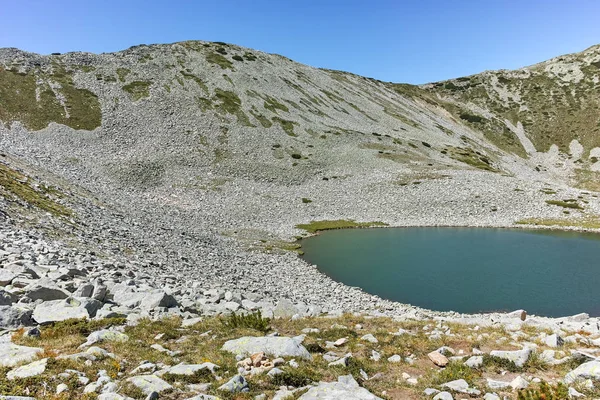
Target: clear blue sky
point(393, 40)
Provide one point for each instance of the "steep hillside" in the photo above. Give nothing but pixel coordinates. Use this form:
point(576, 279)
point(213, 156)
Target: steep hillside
point(202, 158)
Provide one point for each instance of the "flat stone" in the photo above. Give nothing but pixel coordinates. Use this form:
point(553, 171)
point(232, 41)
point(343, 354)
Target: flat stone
point(189, 369)
point(236, 384)
point(60, 310)
point(25, 371)
point(438, 358)
point(45, 292)
point(105, 335)
point(588, 370)
point(443, 396)
point(369, 338)
point(278, 346)
point(285, 309)
point(461, 386)
point(113, 396)
point(12, 354)
point(345, 388)
point(491, 396)
point(519, 357)
point(497, 385)
point(149, 383)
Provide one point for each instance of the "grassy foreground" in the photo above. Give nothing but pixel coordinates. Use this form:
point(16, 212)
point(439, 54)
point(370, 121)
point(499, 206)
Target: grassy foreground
point(202, 342)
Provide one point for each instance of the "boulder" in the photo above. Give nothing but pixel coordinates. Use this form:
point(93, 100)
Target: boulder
point(6, 277)
point(7, 298)
point(84, 290)
point(554, 340)
point(497, 385)
point(345, 388)
point(271, 346)
point(25, 371)
point(60, 310)
point(519, 357)
point(15, 316)
point(45, 292)
point(149, 383)
point(12, 354)
point(285, 309)
point(156, 299)
point(588, 370)
point(519, 383)
point(438, 358)
point(474, 362)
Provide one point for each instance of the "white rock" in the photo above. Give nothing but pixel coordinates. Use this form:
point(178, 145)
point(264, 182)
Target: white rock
point(519, 357)
point(369, 338)
point(519, 383)
point(345, 388)
point(443, 396)
point(12, 354)
point(588, 370)
point(25, 371)
point(149, 383)
point(474, 362)
point(271, 346)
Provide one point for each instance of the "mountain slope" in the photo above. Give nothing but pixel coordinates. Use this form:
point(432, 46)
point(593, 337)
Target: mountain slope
point(205, 156)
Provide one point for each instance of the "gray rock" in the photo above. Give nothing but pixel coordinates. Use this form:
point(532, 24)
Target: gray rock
point(25, 371)
point(285, 309)
point(60, 310)
point(84, 290)
point(369, 338)
point(443, 396)
point(554, 340)
point(112, 396)
point(105, 335)
point(6, 277)
point(345, 388)
point(149, 383)
point(519, 383)
point(588, 370)
point(45, 292)
point(189, 369)
point(12, 354)
point(519, 357)
point(7, 298)
point(156, 299)
point(15, 316)
point(204, 397)
point(474, 362)
point(491, 396)
point(497, 385)
point(461, 386)
point(236, 384)
point(272, 346)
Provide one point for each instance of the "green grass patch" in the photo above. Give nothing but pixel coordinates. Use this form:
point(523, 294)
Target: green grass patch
point(122, 73)
point(220, 60)
point(28, 98)
point(247, 321)
point(287, 126)
point(16, 186)
point(316, 226)
point(231, 104)
point(565, 204)
point(196, 79)
point(138, 89)
point(471, 157)
point(586, 223)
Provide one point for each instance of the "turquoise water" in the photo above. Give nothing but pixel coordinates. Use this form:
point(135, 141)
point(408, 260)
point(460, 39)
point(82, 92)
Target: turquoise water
point(466, 269)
